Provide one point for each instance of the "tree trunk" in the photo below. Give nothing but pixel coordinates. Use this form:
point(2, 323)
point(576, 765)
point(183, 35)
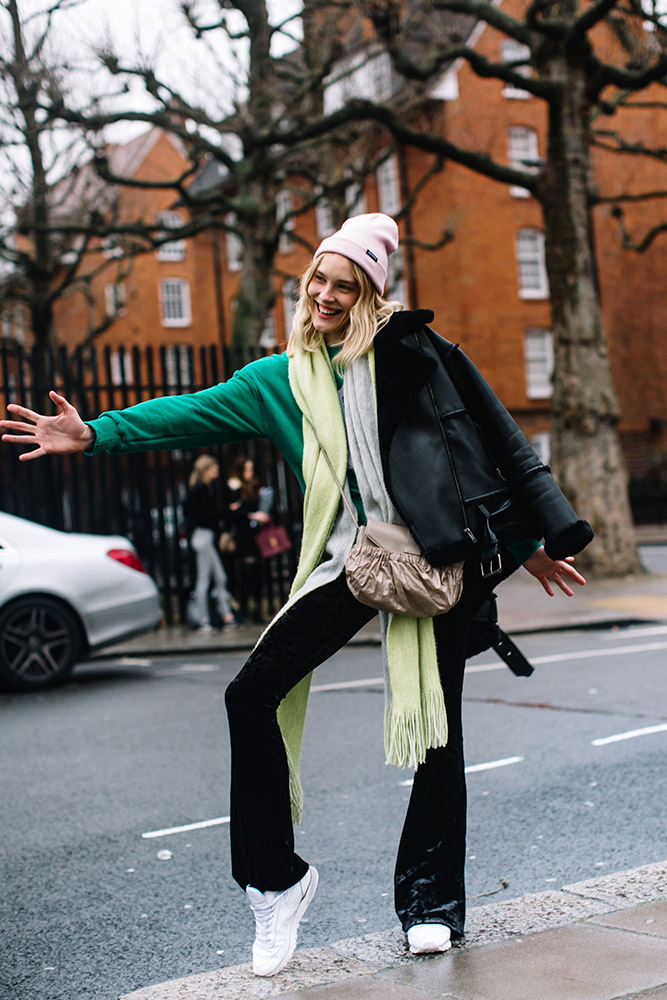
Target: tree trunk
point(256, 294)
point(586, 453)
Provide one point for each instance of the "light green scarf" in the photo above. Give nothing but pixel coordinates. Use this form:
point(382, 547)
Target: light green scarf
point(415, 717)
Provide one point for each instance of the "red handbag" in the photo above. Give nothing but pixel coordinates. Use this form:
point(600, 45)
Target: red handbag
point(272, 539)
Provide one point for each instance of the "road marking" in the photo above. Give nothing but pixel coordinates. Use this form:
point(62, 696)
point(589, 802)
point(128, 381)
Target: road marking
point(586, 654)
point(630, 735)
point(186, 829)
point(472, 768)
point(343, 685)
point(187, 668)
point(134, 661)
point(634, 633)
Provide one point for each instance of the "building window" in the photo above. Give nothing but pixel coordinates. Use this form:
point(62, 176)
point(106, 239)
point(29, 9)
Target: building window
point(115, 300)
point(177, 366)
point(512, 52)
point(380, 75)
point(110, 249)
point(6, 325)
point(285, 219)
point(396, 286)
point(355, 200)
point(233, 245)
point(174, 296)
point(522, 152)
point(389, 192)
point(533, 282)
point(290, 299)
point(175, 249)
point(538, 355)
point(542, 444)
point(267, 338)
point(122, 372)
point(324, 220)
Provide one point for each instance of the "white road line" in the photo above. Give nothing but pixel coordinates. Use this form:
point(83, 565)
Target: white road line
point(186, 829)
point(134, 661)
point(585, 654)
point(343, 685)
point(472, 768)
point(630, 735)
point(634, 632)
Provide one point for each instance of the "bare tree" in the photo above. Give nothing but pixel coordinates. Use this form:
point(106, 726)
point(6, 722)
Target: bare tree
point(558, 59)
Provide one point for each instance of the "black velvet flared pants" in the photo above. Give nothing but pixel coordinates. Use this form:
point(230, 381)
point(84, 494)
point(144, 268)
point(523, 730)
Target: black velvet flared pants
point(429, 877)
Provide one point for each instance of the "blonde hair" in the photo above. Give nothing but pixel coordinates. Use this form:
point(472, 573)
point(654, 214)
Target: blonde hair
point(367, 316)
point(203, 463)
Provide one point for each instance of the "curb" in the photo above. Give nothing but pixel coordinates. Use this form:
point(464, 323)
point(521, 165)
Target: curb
point(366, 641)
point(346, 960)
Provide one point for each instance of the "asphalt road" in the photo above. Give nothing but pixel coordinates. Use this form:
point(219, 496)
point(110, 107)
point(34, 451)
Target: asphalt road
point(92, 907)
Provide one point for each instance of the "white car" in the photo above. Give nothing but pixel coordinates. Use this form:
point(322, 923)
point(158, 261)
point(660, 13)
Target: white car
point(63, 595)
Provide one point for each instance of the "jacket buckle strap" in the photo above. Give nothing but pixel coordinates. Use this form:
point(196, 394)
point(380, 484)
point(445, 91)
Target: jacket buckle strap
point(492, 565)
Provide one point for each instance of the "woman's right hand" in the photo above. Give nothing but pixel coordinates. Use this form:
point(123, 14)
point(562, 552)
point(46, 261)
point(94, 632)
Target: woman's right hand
point(64, 434)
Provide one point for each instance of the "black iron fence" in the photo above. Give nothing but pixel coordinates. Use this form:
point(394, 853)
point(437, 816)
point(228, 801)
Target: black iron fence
point(140, 496)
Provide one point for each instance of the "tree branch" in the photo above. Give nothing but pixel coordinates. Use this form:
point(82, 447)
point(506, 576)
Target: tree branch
point(628, 242)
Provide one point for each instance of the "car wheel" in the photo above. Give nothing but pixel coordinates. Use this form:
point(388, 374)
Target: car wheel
point(40, 640)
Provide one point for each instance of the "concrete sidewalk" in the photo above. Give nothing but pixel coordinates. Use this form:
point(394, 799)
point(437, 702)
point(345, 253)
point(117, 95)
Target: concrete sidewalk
point(602, 939)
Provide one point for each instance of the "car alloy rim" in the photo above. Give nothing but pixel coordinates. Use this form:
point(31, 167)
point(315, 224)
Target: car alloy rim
point(36, 644)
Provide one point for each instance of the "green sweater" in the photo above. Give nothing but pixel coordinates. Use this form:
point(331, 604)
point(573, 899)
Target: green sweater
point(256, 402)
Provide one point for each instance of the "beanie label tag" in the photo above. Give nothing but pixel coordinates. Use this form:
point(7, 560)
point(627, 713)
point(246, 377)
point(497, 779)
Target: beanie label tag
point(372, 256)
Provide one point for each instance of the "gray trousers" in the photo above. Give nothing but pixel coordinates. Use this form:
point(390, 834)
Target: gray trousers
point(209, 567)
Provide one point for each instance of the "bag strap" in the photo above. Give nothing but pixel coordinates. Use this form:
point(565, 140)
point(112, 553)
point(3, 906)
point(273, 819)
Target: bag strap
point(348, 505)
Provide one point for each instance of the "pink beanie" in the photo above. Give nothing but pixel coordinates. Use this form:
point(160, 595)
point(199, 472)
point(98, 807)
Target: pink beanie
point(367, 240)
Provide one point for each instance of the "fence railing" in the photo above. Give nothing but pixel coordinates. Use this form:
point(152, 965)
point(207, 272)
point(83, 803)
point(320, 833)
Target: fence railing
point(140, 495)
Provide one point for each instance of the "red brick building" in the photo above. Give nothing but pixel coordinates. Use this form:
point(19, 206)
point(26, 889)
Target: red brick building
point(487, 287)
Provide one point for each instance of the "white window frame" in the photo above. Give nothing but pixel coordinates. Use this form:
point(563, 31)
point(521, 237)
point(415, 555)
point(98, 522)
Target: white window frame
point(538, 357)
point(284, 206)
point(176, 366)
point(388, 185)
point(396, 287)
point(531, 264)
point(541, 442)
point(355, 200)
point(267, 338)
point(290, 293)
point(20, 323)
point(167, 299)
point(174, 250)
point(233, 246)
point(110, 248)
point(7, 324)
point(115, 299)
point(324, 220)
point(512, 51)
point(522, 145)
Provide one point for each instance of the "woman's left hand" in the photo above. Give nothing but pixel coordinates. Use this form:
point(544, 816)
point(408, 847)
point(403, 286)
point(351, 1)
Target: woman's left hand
point(545, 569)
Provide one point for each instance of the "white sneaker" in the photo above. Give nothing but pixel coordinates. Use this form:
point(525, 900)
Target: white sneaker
point(277, 916)
point(424, 939)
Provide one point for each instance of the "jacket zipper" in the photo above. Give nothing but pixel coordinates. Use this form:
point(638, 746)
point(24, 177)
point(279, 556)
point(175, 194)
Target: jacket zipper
point(467, 530)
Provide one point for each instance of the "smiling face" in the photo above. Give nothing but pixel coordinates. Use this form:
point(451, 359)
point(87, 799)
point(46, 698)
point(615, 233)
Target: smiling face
point(333, 291)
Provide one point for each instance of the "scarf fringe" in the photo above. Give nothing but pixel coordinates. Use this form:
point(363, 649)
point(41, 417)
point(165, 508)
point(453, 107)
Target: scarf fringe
point(408, 735)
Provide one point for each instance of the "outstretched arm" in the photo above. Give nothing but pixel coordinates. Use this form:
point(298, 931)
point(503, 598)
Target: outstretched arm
point(63, 434)
point(545, 569)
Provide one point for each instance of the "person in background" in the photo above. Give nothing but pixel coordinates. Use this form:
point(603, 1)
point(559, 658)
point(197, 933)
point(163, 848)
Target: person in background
point(204, 517)
point(243, 502)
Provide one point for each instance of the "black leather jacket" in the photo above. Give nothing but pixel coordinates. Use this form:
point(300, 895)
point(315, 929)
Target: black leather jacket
point(456, 465)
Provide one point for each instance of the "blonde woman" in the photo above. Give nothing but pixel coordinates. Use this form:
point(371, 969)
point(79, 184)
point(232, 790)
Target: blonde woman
point(204, 518)
point(418, 438)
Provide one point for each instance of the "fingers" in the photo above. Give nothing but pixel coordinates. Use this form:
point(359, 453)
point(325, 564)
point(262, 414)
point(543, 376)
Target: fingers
point(27, 456)
point(16, 425)
point(23, 411)
point(547, 586)
point(564, 567)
